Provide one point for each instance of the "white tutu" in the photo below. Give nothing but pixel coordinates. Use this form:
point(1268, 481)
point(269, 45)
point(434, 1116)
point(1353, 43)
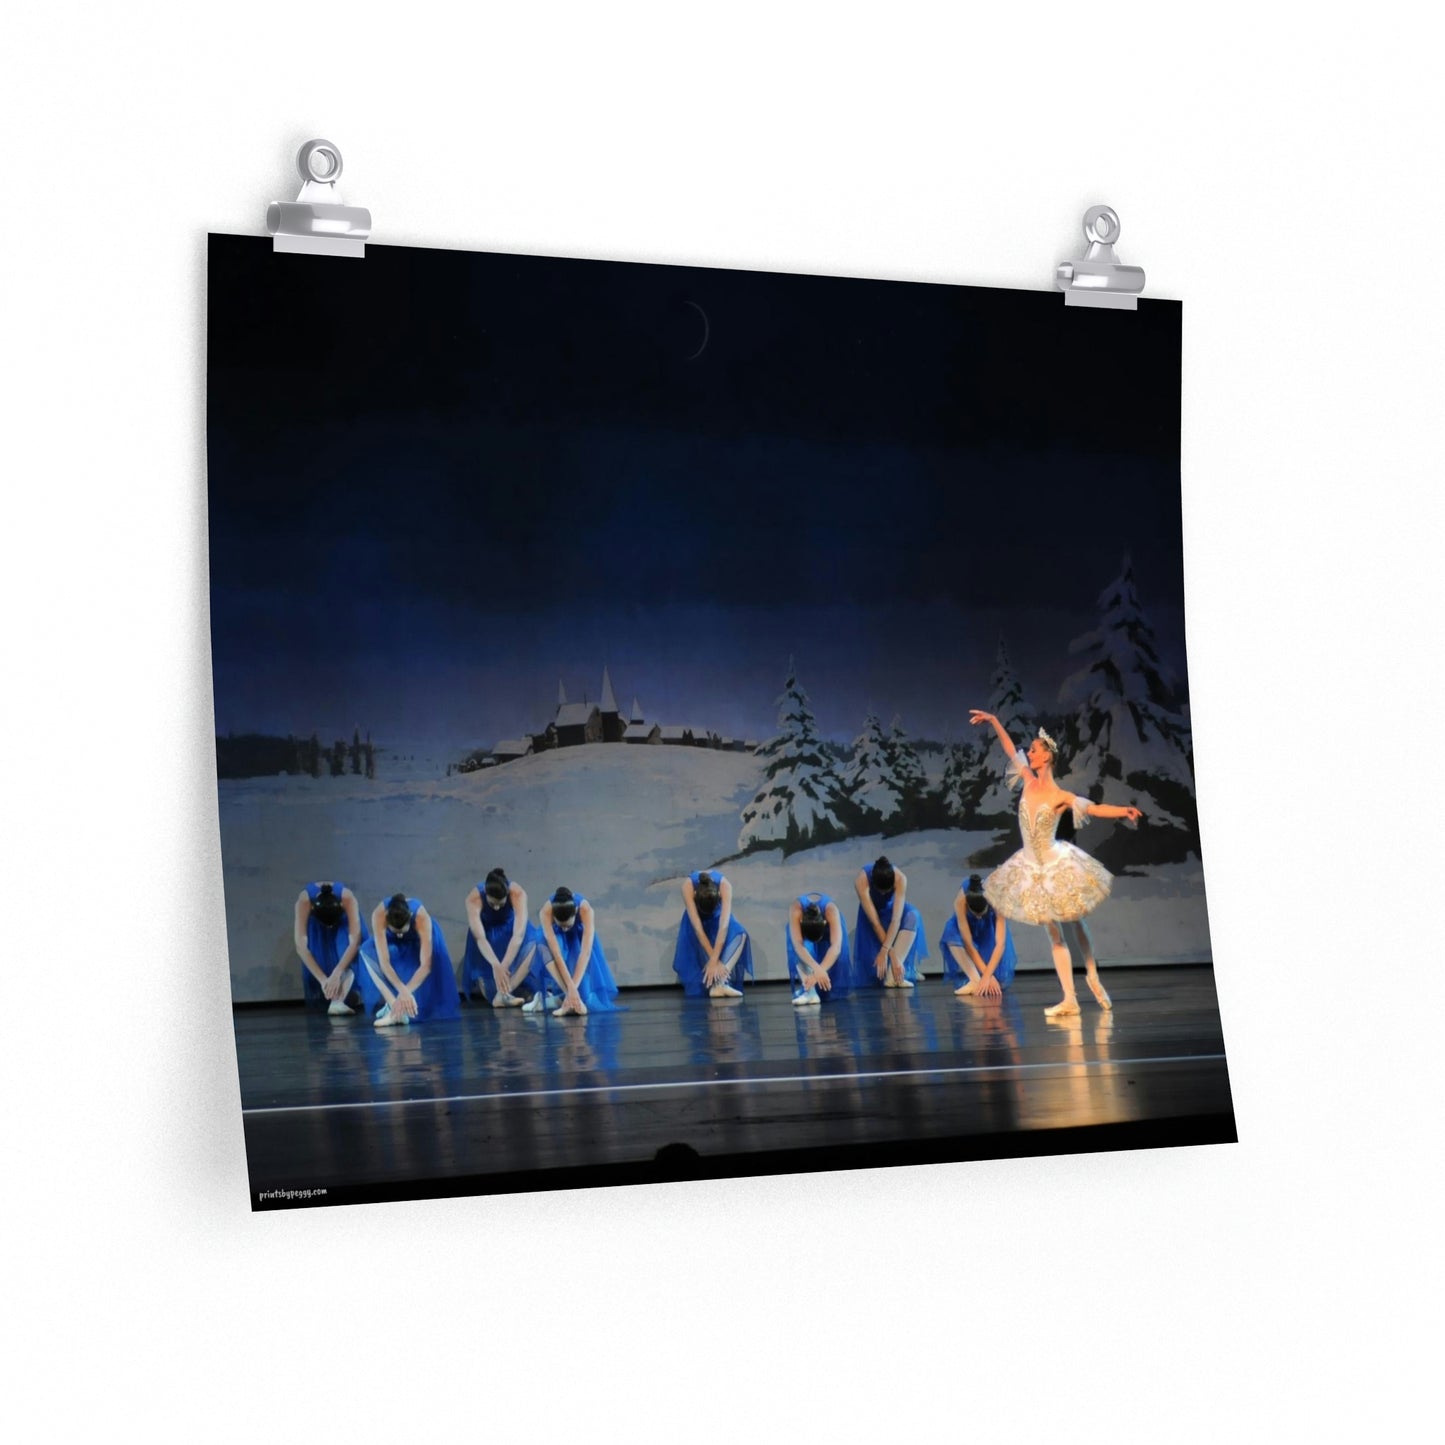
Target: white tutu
point(1047, 881)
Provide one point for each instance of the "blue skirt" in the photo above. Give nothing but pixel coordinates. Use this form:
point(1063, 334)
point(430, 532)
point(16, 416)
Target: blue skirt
point(476, 970)
point(599, 988)
point(840, 975)
point(866, 945)
point(951, 938)
point(687, 958)
point(437, 997)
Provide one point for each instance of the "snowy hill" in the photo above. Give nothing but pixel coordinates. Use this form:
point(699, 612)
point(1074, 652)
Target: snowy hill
point(621, 825)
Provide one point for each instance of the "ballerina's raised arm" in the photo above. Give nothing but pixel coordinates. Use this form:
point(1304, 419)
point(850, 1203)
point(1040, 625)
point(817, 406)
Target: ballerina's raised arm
point(977, 715)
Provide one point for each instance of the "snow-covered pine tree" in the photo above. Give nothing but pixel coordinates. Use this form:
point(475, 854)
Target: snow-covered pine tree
point(798, 804)
point(1128, 739)
point(871, 780)
point(958, 792)
point(1008, 704)
point(911, 773)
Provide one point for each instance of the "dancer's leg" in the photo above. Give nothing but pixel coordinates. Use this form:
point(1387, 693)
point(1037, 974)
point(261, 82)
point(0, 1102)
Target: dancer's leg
point(725, 989)
point(1063, 966)
point(1091, 967)
point(902, 947)
point(961, 958)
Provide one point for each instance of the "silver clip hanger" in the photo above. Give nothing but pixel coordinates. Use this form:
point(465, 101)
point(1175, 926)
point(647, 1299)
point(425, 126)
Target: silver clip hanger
point(1099, 280)
point(316, 223)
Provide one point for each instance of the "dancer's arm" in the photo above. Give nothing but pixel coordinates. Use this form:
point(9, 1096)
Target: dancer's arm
point(554, 944)
point(835, 947)
point(303, 946)
point(965, 934)
point(977, 715)
point(689, 903)
point(353, 931)
point(1084, 809)
point(987, 983)
point(865, 902)
point(479, 936)
point(383, 952)
point(584, 954)
point(407, 996)
point(713, 971)
point(807, 964)
point(518, 895)
point(900, 897)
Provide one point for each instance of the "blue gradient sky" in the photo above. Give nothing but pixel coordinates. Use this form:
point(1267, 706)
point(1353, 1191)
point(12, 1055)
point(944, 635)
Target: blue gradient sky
point(481, 473)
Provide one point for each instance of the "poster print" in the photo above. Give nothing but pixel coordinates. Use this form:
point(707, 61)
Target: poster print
point(677, 722)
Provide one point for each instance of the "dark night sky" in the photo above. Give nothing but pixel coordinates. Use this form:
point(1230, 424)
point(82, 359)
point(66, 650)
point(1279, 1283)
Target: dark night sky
point(440, 480)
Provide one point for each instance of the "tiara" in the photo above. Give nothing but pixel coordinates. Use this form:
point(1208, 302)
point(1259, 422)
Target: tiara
point(1052, 745)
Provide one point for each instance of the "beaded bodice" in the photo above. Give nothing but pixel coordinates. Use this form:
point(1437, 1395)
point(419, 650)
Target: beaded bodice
point(1038, 824)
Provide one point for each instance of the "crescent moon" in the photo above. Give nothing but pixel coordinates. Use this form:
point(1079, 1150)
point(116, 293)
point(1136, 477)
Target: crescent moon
point(706, 332)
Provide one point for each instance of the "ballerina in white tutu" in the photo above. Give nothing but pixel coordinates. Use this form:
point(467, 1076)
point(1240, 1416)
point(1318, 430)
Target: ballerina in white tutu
point(1047, 881)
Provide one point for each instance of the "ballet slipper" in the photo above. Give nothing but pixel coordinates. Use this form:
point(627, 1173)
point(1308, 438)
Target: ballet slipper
point(1063, 1009)
point(1099, 991)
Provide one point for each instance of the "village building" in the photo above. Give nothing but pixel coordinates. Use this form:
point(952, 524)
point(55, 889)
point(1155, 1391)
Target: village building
point(578, 723)
point(511, 749)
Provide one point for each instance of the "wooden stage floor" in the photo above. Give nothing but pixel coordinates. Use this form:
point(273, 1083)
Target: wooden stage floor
point(691, 1088)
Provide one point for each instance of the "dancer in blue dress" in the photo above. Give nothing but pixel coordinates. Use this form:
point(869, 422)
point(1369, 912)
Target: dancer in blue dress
point(888, 942)
point(504, 946)
point(407, 972)
point(714, 952)
point(328, 934)
point(576, 963)
point(818, 961)
point(978, 949)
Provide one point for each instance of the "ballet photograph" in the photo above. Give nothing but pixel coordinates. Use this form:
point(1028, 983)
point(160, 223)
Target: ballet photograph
point(676, 723)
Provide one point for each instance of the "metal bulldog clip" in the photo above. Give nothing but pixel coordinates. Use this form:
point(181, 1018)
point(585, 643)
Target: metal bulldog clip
point(316, 223)
point(1099, 280)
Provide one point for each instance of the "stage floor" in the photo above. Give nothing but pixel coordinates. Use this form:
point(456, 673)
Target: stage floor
point(683, 1088)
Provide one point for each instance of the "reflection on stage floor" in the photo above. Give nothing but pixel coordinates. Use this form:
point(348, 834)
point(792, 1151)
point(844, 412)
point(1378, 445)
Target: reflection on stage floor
point(677, 1087)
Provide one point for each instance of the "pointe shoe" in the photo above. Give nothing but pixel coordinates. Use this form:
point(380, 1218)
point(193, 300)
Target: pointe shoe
point(338, 1009)
point(724, 990)
point(967, 991)
point(533, 1004)
point(500, 1000)
point(1101, 994)
point(1063, 1009)
point(513, 1001)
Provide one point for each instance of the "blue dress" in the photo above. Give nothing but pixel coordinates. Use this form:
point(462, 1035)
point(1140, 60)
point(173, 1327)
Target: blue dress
point(497, 924)
point(865, 941)
point(598, 989)
point(687, 958)
point(984, 933)
point(437, 997)
point(326, 945)
point(841, 974)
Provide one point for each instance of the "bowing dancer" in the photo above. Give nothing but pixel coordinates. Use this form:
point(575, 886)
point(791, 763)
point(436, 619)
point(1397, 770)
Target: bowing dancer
point(1048, 881)
point(978, 949)
point(818, 961)
point(888, 942)
point(504, 947)
point(577, 963)
point(407, 971)
point(328, 934)
point(714, 952)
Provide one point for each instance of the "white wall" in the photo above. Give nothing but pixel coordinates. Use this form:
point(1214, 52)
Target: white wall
point(1281, 173)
